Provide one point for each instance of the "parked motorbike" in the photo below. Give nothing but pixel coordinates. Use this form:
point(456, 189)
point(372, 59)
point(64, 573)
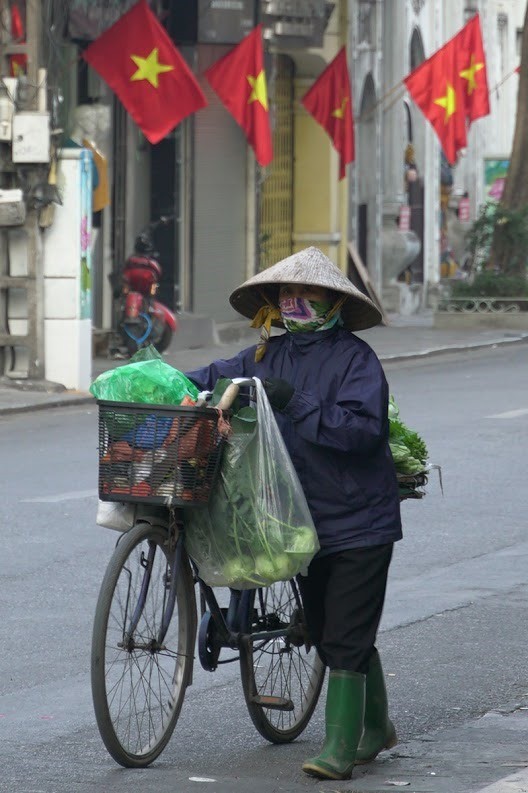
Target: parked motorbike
point(142, 320)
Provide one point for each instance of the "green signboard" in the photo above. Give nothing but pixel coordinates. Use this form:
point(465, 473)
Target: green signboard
point(495, 170)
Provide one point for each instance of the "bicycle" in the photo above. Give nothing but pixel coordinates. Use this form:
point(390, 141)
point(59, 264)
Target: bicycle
point(146, 624)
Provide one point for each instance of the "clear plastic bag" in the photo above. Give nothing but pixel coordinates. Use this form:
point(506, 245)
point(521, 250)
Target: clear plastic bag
point(257, 528)
point(115, 515)
point(146, 378)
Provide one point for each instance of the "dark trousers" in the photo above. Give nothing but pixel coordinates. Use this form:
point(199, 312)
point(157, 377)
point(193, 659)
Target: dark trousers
point(343, 596)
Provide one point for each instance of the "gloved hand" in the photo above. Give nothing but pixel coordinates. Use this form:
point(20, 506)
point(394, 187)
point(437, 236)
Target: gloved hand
point(279, 392)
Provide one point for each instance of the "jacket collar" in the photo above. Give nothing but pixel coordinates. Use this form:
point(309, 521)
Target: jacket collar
point(310, 338)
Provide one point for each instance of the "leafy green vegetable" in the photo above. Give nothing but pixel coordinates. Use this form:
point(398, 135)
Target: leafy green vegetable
point(393, 409)
point(409, 450)
point(401, 434)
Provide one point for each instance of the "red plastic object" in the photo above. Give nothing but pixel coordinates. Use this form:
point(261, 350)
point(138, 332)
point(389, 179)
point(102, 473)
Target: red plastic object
point(141, 272)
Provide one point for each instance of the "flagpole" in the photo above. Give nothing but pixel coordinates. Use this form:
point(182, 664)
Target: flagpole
point(364, 116)
point(501, 82)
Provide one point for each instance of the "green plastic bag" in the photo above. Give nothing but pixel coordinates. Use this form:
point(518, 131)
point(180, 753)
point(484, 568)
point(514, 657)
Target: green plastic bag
point(147, 378)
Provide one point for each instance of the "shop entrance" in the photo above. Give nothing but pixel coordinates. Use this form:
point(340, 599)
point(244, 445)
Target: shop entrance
point(166, 181)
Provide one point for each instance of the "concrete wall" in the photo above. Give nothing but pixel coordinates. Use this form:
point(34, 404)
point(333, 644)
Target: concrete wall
point(67, 332)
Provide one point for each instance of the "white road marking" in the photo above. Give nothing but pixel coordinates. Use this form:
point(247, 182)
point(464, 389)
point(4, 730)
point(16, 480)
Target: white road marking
point(510, 414)
point(201, 779)
point(73, 495)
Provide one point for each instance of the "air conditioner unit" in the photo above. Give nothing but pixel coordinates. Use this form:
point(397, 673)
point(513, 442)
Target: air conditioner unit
point(12, 208)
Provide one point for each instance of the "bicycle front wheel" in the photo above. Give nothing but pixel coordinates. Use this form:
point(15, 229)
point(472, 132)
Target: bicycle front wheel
point(282, 676)
point(138, 681)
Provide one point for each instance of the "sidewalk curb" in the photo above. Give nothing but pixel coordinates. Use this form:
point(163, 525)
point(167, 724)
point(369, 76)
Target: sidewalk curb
point(455, 348)
point(68, 399)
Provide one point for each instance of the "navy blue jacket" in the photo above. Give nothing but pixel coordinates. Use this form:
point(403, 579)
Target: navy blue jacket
point(336, 430)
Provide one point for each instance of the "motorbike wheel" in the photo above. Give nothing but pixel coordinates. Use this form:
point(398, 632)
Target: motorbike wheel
point(164, 342)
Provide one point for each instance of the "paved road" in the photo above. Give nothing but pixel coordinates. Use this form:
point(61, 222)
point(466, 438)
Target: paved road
point(453, 633)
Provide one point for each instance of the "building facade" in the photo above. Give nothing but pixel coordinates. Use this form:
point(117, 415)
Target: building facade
point(387, 41)
point(231, 217)
point(398, 204)
point(298, 200)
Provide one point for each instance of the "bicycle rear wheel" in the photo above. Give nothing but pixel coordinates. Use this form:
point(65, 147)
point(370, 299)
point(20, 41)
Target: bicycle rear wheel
point(281, 677)
point(138, 684)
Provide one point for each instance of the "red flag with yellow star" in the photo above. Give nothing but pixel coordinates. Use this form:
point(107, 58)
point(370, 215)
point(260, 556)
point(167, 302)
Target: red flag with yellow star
point(451, 89)
point(329, 101)
point(472, 70)
point(140, 63)
point(436, 87)
point(239, 80)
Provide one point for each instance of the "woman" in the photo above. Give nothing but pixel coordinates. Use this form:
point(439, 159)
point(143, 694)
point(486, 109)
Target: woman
point(330, 399)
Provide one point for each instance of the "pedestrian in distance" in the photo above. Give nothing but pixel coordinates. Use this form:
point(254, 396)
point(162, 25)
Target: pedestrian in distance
point(330, 398)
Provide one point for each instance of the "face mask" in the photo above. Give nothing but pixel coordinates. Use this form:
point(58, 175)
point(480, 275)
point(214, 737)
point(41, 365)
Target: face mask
point(299, 314)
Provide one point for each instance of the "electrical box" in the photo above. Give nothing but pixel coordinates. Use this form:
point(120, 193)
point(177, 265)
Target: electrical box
point(8, 87)
point(31, 137)
point(12, 208)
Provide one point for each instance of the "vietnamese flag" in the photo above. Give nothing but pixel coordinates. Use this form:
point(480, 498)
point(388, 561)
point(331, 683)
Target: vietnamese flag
point(140, 63)
point(436, 87)
point(451, 87)
point(239, 80)
point(472, 70)
point(329, 101)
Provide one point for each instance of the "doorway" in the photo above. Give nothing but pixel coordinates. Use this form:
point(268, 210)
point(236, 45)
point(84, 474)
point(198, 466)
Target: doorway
point(165, 176)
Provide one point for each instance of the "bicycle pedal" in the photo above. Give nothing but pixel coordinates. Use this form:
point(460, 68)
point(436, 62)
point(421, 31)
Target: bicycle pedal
point(273, 703)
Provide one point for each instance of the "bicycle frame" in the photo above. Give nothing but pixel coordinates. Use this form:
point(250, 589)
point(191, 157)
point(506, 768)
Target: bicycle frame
point(174, 564)
point(230, 625)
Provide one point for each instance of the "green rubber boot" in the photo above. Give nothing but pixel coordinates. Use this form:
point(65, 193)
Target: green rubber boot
point(345, 708)
point(379, 732)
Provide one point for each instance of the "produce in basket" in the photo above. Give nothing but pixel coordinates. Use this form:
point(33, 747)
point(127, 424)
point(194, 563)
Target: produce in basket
point(161, 457)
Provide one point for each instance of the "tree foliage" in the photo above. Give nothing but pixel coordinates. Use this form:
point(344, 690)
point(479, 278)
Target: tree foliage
point(500, 229)
point(514, 201)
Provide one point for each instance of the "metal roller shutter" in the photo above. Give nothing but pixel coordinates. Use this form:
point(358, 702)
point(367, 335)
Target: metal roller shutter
point(220, 205)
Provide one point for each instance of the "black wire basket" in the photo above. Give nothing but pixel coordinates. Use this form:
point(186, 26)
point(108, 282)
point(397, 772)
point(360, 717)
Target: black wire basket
point(155, 454)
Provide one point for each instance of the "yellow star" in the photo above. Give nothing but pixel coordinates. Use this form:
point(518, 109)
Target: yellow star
point(259, 91)
point(469, 74)
point(448, 102)
point(339, 112)
point(149, 67)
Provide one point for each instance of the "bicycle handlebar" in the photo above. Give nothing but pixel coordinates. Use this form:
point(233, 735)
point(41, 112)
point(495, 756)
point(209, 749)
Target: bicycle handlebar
point(228, 397)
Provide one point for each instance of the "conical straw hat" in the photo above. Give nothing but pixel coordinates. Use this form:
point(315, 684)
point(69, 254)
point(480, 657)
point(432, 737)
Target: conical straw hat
point(309, 266)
